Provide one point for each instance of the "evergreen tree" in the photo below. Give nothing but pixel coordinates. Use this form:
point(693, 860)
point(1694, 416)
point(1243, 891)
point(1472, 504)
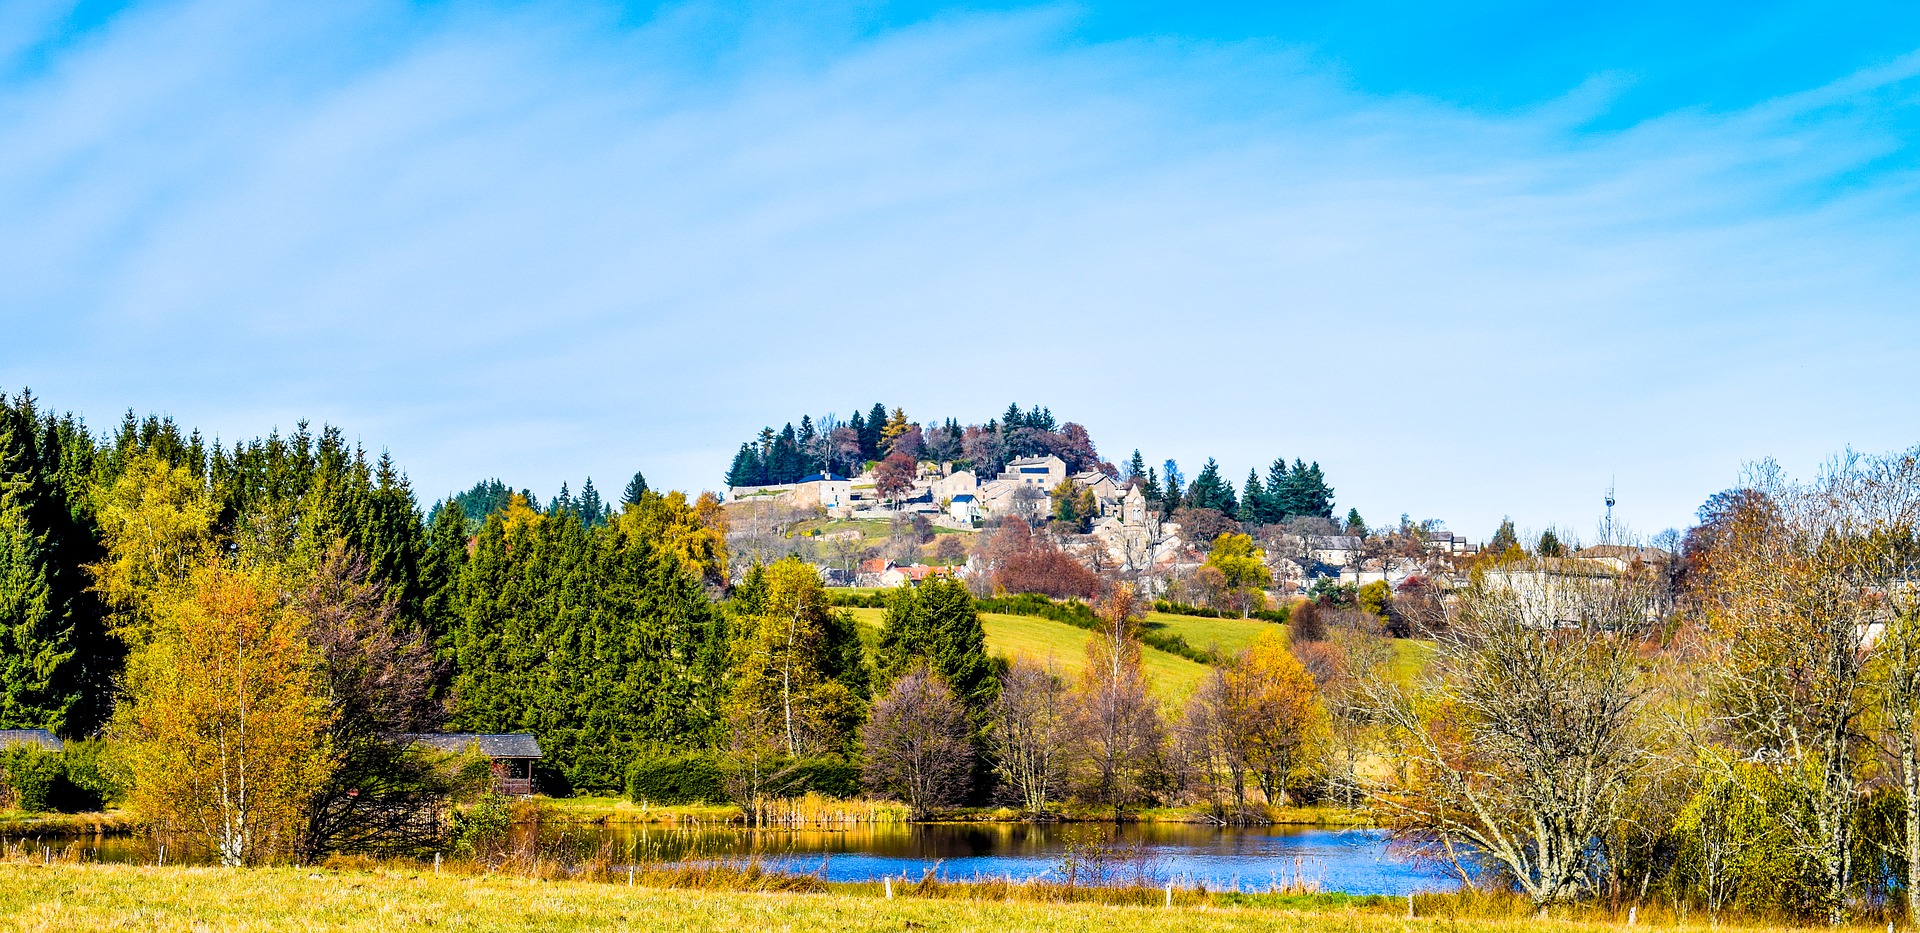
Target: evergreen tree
point(562, 502)
point(1505, 539)
point(1151, 491)
point(870, 438)
point(441, 567)
point(1012, 418)
point(636, 487)
point(1175, 496)
point(485, 498)
point(1355, 526)
point(808, 441)
point(745, 470)
point(592, 510)
point(1280, 504)
point(859, 426)
point(1210, 492)
point(1550, 545)
point(1137, 467)
point(1316, 497)
point(57, 659)
point(1253, 499)
point(937, 623)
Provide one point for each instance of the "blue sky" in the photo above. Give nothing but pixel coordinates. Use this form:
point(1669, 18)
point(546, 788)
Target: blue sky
point(1477, 262)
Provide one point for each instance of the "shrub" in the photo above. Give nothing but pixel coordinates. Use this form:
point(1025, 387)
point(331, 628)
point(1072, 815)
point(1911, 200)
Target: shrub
point(826, 776)
point(37, 780)
point(482, 827)
point(677, 779)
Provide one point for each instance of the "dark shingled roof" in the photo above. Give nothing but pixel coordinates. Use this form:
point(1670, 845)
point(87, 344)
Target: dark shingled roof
point(40, 737)
point(511, 745)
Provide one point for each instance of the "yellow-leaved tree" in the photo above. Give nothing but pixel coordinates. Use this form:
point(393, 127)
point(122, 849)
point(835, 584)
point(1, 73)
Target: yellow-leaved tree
point(1243, 572)
point(156, 522)
point(224, 717)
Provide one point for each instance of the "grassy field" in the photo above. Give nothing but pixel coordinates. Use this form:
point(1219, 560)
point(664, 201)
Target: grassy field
point(1174, 677)
point(47, 898)
point(1229, 635)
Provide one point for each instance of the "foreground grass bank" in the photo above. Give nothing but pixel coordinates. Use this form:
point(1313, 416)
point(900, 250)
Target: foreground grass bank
point(62, 897)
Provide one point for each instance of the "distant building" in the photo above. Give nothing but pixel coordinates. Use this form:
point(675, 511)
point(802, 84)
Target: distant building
point(828, 491)
point(965, 507)
point(1043, 472)
point(40, 737)
point(1621, 558)
point(512, 754)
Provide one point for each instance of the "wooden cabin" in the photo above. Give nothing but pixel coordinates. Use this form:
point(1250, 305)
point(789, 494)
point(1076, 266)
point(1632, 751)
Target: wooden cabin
point(513, 755)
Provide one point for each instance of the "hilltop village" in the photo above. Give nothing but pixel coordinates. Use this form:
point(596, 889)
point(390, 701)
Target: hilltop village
point(883, 501)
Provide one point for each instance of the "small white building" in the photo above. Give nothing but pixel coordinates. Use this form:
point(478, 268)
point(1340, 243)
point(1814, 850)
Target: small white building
point(965, 507)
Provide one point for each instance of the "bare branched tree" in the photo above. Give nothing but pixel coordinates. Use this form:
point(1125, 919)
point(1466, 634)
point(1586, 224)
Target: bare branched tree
point(1523, 738)
point(916, 743)
point(1116, 719)
point(1028, 733)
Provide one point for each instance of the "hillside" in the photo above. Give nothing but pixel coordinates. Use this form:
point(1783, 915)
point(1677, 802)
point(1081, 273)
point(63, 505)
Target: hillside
point(1173, 677)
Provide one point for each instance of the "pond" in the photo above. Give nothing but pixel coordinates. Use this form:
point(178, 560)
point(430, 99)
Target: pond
point(1355, 861)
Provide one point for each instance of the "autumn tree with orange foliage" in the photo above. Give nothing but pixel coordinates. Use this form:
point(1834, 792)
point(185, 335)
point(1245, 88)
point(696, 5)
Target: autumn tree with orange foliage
point(224, 717)
point(1256, 717)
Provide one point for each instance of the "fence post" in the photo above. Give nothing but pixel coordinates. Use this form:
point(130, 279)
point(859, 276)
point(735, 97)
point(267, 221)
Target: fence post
point(887, 882)
point(1409, 905)
point(1169, 892)
point(436, 863)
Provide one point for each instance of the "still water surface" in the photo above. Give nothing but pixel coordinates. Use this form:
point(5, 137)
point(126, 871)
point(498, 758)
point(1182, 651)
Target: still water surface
point(1356, 861)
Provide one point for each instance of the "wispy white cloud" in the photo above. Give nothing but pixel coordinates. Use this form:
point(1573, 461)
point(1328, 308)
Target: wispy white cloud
point(535, 244)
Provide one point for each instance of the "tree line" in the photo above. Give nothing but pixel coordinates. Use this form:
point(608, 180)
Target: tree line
point(828, 445)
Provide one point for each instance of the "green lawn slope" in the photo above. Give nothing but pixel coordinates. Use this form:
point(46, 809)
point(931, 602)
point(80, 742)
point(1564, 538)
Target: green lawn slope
point(1174, 677)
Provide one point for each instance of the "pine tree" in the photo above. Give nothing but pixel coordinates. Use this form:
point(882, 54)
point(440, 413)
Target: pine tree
point(1505, 539)
point(1550, 545)
point(592, 510)
point(1137, 467)
point(1210, 492)
point(1316, 495)
point(562, 502)
point(441, 567)
point(938, 623)
point(1280, 501)
point(745, 470)
point(1175, 496)
point(1355, 526)
point(1252, 500)
point(1151, 491)
point(870, 438)
point(1012, 418)
point(35, 648)
point(636, 487)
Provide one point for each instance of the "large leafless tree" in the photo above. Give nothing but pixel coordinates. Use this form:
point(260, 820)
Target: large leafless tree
point(1523, 738)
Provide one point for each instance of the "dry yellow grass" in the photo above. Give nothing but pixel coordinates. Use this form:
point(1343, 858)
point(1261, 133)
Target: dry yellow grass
point(46, 898)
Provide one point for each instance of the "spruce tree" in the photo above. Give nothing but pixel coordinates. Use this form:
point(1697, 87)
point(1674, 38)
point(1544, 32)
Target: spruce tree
point(870, 438)
point(744, 471)
point(1175, 497)
point(1253, 500)
point(636, 487)
point(592, 510)
point(1280, 499)
point(1137, 467)
point(1151, 491)
point(1355, 526)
